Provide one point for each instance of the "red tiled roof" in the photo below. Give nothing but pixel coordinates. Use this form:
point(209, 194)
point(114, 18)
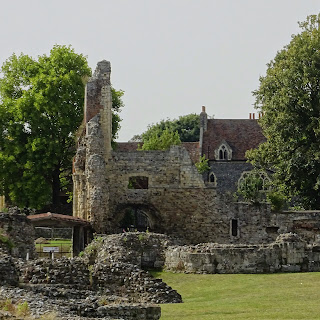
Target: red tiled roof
point(127, 146)
point(57, 217)
point(240, 134)
point(194, 150)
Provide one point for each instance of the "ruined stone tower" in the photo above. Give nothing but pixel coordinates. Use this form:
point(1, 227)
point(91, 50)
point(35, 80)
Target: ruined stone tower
point(98, 100)
point(90, 166)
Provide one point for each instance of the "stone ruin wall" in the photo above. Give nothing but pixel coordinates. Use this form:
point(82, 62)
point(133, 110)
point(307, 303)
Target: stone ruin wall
point(289, 253)
point(15, 227)
point(90, 171)
point(107, 281)
point(176, 201)
point(17, 237)
point(180, 205)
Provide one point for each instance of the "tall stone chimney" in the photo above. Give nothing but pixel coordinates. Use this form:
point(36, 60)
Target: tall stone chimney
point(203, 126)
point(98, 99)
point(91, 164)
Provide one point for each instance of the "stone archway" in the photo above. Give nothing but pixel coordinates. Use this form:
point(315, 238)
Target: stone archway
point(137, 217)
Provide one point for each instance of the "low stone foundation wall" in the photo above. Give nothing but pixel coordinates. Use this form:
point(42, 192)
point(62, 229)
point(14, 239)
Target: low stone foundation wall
point(128, 312)
point(61, 271)
point(70, 304)
point(17, 234)
point(144, 249)
point(287, 254)
point(8, 272)
point(111, 264)
point(116, 263)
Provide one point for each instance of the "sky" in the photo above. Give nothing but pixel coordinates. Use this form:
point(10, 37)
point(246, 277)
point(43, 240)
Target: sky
point(169, 56)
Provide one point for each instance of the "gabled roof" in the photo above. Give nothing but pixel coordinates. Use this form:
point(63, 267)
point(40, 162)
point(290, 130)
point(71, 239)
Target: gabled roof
point(127, 146)
point(192, 148)
point(240, 134)
point(48, 219)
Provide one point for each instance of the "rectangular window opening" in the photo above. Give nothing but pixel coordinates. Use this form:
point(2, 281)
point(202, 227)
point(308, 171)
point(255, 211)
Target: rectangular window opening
point(273, 229)
point(138, 182)
point(234, 227)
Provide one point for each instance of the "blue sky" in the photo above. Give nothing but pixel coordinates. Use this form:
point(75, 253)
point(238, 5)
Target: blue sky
point(170, 57)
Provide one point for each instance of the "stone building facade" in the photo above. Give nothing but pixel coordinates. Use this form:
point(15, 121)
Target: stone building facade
point(224, 142)
point(162, 190)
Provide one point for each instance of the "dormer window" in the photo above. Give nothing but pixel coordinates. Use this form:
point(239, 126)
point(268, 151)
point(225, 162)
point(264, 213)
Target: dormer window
point(224, 152)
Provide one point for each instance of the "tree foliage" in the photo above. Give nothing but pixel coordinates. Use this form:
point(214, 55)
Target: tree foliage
point(202, 166)
point(162, 140)
point(250, 188)
point(289, 97)
point(188, 128)
point(41, 107)
point(117, 104)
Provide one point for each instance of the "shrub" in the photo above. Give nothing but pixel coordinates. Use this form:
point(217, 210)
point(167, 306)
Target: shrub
point(141, 237)
point(7, 305)
point(23, 309)
point(4, 238)
point(277, 199)
point(202, 165)
point(250, 188)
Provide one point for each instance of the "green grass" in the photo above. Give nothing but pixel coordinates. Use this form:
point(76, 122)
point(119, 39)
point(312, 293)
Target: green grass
point(64, 246)
point(244, 296)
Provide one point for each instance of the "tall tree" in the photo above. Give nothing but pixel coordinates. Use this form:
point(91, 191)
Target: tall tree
point(162, 140)
point(41, 107)
point(188, 128)
point(117, 104)
point(289, 97)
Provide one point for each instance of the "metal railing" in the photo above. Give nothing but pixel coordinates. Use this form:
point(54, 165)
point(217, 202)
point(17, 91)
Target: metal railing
point(54, 250)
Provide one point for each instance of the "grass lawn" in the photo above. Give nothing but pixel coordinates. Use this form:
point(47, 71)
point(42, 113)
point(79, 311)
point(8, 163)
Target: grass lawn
point(243, 296)
point(64, 246)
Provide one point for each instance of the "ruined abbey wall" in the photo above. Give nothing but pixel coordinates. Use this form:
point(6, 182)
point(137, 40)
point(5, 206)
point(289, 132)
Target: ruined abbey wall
point(177, 202)
point(17, 234)
point(165, 188)
point(289, 253)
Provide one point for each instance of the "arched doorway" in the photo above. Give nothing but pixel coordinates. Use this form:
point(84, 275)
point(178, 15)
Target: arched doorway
point(136, 218)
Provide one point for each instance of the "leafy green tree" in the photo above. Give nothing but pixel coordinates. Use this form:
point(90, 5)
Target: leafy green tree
point(188, 128)
point(117, 104)
point(41, 107)
point(202, 166)
point(161, 141)
point(289, 97)
point(250, 188)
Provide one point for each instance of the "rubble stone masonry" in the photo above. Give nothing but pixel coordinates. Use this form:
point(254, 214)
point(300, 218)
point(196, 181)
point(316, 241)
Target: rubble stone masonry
point(173, 198)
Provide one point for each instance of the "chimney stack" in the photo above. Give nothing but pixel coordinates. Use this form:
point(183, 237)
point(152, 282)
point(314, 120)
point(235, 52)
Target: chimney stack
point(203, 126)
